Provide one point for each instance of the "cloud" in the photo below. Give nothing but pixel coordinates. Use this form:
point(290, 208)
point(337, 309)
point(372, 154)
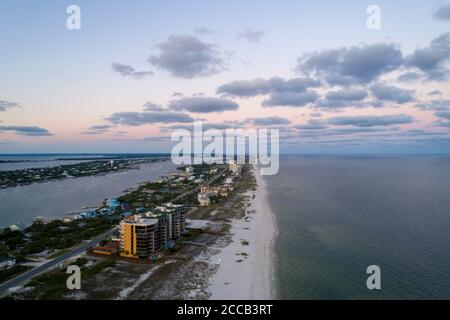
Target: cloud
point(443, 13)
point(177, 94)
point(370, 121)
point(150, 106)
point(253, 36)
point(188, 57)
point(434, 105)
point(27, 130)
point(141, 118)
point(201, 31)
point(291, 99)
point(347, 94)
point(313, 124)
point(205, 126)
point(346, 97)
point(270, 121)
point(259, 86)
point(354, 65)
point(128, 71)
point(442, 124)
point(443, 114)
point(203, 104)
point(391, 93)
point(316, 114)
point(4, 105)
point(409, 76)
point(432, 59)
point(98, 129)
point(434, 93)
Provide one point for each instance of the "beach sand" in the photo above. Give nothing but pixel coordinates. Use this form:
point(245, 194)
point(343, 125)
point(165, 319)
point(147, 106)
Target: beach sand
point(245, 266)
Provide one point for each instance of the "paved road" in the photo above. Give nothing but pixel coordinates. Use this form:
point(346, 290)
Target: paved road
point(46, 266)
point(217, 176)
point(74, 252)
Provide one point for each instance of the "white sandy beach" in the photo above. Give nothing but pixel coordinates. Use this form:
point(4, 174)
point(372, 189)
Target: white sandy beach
point(252, 277)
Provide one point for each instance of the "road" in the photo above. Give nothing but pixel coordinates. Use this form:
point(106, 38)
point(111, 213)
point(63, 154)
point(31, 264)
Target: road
point(4, 287)
point(217, 176)
point(78, 250)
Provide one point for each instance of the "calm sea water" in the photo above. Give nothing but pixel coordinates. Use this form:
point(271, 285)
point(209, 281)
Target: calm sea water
point(339, 214)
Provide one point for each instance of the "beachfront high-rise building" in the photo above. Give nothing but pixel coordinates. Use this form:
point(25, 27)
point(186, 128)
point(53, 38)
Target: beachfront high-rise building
point(139, 237)
point(235, 168)
point(142, 237)
point(173, 219)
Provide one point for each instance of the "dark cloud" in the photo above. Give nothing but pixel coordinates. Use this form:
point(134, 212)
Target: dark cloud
point(432, 59)
point(434, 105)
point(128, 71)
point(205, 126)
point(292, 92)
point(27, 131)
point(98, 129)
point(253, 36)
point(434, 93)
point(203, 104)
point(343, 98)
point(409, 76)
point(312, 124)
point(150, 106)
point(391, 93)
point(141, 118)
point(188, 57)
point(291, 99)
point(443, 13)
point(443, 114)
point(354, 65)
point(4, 105)
point(270, 121)
point(442, 124)
point(370, 121)
point(347, 94)
point(255, 87)
point(177, 94)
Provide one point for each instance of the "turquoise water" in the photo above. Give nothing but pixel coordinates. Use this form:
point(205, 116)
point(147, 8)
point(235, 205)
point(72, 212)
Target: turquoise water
point(339, 214)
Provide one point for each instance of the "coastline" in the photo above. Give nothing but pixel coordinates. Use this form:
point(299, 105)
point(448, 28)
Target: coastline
point(245, 268)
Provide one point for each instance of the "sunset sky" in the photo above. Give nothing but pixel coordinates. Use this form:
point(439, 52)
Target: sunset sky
point(136, 70)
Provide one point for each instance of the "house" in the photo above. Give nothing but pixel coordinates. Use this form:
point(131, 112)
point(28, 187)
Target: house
point(218, 191)
point(109, 248)
point(112, 204)
point(189, 169)
point(7, 262)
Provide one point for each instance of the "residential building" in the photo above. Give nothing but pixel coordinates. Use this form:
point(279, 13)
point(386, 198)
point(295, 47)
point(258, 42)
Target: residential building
point(6, 262)
point(139, 237)
point(235, 168)
point(189, 169)
point(222, 191)
point(142, 237)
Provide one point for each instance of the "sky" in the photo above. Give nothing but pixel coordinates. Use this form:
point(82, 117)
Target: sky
point(134, 71)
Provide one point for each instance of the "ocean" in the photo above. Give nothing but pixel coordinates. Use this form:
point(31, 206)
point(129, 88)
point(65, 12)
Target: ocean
point(337, 215)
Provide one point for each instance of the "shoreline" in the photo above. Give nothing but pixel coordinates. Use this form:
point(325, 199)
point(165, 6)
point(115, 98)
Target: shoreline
point(246, 266)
